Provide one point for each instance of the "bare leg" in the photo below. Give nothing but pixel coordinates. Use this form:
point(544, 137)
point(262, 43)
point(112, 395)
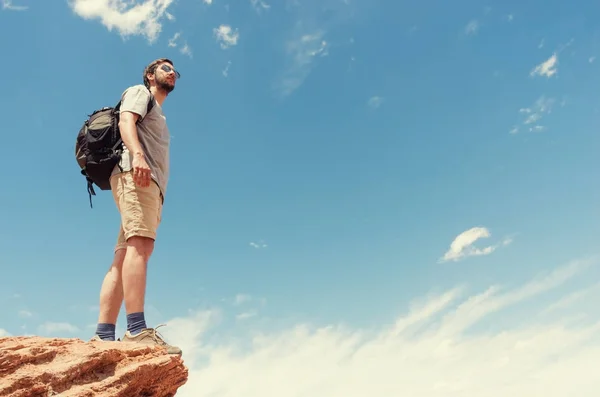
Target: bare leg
point(135, 264)
point(111, 293)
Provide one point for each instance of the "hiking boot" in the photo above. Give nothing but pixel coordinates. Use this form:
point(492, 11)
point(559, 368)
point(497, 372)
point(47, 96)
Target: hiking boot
point(149, 336)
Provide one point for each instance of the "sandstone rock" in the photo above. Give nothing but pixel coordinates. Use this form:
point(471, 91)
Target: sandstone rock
point(40, 367)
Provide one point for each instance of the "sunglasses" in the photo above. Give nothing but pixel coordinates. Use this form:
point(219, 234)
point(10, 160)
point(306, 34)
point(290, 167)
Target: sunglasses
point(168, 69)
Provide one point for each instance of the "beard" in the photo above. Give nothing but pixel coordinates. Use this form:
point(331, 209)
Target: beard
point(165, 85)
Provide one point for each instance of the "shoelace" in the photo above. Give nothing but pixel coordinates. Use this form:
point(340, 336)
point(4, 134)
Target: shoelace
point(157, 336)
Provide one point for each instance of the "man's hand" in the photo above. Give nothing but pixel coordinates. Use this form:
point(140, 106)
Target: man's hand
point(141, 170)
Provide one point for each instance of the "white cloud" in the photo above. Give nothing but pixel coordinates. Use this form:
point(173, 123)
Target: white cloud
point(541, 106)
point(4, 333)
point(241, 298)
point(258, 245)
point(537, 128)
point(375, 101)
point(434, 350)
point(173, 40)
point(308, 41)
point(259, 5)
point(209, 2)
point(546, 68)
point(472, 27)
point(50, 328)
point(25, 314)
point(186, 50)
point(568, 301)
point(533, 115)
point(226, 70)
point(302, 51)
point(8, 5)
point(541, 45)
point(128, 17)
point(246, 315)
point(226, 36)
point(462, 246)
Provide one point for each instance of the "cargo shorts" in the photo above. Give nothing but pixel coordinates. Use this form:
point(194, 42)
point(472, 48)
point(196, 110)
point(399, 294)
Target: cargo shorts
point(140, 208)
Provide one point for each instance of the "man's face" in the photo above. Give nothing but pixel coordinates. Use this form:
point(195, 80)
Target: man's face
point(166, 77)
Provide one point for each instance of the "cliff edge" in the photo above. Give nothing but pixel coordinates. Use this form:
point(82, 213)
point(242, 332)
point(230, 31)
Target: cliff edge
point(40, 367)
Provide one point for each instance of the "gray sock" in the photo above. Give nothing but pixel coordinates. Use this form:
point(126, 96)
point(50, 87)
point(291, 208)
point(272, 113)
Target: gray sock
point(136, 322)
point(106, 331)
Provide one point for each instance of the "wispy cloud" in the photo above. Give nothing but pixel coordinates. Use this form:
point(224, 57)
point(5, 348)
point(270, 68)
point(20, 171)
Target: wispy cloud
point(4, 333)
point(225, 71)
point(569, 301)
point(246, 315)
point(259, 5)
point(302, 50)
point(311, 38)
point(463, 245)
point(533, 115)
point(226, 36)
point(9, 6)
point(185, 49)
point(541, 45)
point(260, 244)
point(126, 17)
point(173, 40)
point(472, 27)
point(375, 101)
point(241, 299)
point(25, 314)
point(433, 350)
point(548, 68)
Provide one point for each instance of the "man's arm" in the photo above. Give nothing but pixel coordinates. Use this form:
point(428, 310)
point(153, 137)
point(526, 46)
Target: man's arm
point(129, 135)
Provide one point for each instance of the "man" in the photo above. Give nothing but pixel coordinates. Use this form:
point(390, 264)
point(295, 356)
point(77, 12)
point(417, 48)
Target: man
point(138, 184)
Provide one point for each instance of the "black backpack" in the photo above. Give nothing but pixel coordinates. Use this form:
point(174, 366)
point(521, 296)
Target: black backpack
point(99, 146)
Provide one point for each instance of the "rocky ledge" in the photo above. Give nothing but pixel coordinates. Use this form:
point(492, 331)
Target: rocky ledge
point(36, 366)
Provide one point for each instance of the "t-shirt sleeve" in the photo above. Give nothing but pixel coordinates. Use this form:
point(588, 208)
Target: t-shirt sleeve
point(135, 99)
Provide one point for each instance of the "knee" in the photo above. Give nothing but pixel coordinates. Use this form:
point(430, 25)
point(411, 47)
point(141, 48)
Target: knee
point(143, 246)
point(118, 259)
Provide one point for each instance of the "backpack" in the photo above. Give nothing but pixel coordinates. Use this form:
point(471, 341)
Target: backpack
point(99, 146)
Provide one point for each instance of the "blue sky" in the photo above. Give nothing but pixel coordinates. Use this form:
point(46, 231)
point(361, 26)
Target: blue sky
point(397, 187)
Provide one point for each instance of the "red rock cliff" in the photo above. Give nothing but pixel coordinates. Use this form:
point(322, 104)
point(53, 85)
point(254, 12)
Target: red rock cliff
point(35, 366)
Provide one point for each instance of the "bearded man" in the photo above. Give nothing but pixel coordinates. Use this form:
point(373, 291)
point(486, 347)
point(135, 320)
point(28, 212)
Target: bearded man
point(139, 185)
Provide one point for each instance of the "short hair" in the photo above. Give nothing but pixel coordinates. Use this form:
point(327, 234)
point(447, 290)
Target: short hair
point(152, 67)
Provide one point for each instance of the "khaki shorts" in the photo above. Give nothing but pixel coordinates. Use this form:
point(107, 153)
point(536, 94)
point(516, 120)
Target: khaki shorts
point(140, 208)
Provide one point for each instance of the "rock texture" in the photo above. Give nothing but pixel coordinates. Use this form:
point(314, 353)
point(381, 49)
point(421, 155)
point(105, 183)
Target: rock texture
point(40, 367)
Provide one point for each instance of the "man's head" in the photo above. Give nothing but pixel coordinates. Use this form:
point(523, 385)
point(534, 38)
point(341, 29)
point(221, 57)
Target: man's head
point(161, 74)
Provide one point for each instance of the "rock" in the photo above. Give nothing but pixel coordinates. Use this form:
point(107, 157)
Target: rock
point(40, 367)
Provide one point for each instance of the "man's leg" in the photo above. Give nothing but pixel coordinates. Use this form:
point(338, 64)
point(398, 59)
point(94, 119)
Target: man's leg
point(111, 298)
point(135, 267)
point(141, 210)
